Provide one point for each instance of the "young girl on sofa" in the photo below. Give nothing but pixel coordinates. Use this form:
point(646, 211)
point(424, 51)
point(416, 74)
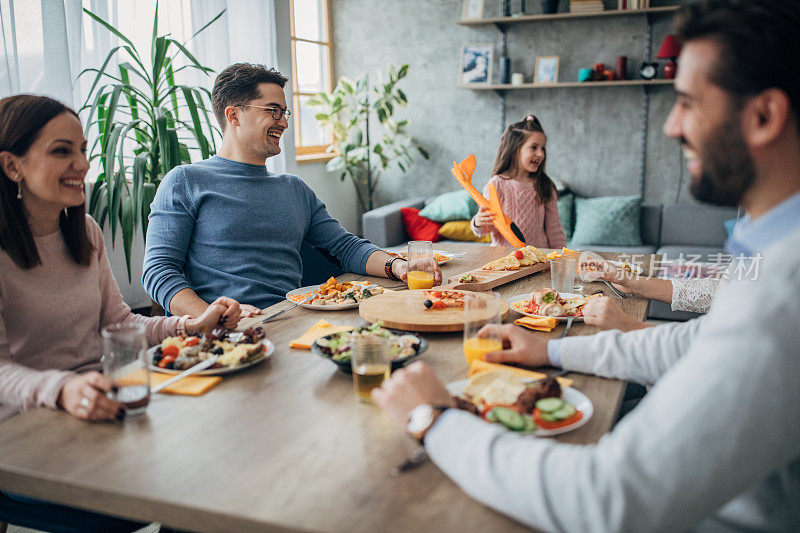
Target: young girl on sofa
point(527, 195)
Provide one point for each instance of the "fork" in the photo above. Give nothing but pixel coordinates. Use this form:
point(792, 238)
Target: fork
point(615, 290)
point(566, 329)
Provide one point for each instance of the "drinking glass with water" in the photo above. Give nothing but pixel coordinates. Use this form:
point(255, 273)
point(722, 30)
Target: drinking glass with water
point(125, 363)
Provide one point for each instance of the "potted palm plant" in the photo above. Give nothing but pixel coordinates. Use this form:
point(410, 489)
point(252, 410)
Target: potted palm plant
point(143, 124)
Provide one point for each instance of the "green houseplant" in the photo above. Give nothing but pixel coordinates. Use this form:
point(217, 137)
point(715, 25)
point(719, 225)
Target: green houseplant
point(347, 112)
point(143, 125)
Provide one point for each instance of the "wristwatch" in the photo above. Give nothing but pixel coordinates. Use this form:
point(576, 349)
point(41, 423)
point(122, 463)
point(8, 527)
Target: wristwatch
point(388, 267)
point(421, 419)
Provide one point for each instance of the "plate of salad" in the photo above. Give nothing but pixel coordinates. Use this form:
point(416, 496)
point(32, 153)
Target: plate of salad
point(337, 347)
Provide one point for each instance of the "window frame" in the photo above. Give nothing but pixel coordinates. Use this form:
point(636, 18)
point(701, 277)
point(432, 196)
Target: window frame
point(303, 152)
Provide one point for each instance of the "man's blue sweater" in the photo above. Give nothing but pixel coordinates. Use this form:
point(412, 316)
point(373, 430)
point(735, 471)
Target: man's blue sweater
point(224, 228)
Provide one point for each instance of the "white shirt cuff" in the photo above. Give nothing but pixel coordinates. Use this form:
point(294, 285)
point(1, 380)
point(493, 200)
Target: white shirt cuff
point(554, 352)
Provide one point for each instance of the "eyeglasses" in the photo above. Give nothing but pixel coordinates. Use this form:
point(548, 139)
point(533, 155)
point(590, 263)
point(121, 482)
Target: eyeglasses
point(277, 111)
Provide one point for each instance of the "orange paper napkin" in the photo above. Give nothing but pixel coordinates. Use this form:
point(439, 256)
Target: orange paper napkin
point(320, 329)
point(545, 323)
point(482, 366)
point(190, 386)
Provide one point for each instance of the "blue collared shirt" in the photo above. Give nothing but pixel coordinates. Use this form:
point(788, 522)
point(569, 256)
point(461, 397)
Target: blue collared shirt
point(749, 238)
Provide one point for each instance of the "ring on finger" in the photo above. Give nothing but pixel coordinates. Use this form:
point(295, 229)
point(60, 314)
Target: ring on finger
point(85, 402)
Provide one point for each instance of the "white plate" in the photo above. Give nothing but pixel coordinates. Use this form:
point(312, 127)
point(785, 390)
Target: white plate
point(511, 301)
point(447, 255)
point(581, 402)
point(318, 307)
point(266, 354)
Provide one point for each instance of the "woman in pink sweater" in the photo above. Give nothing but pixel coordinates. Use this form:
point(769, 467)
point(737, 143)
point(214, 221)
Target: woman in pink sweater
point(56, 287)
point(527, 195)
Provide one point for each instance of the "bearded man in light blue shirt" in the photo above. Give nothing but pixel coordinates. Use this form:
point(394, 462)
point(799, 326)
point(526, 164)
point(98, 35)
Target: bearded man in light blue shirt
point(715, 444)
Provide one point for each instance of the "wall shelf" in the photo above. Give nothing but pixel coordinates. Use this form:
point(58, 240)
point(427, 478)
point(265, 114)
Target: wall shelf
point(502, 21)
point(558, 85)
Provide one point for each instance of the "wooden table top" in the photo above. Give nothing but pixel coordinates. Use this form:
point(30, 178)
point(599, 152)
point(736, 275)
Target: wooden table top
point(283, 445)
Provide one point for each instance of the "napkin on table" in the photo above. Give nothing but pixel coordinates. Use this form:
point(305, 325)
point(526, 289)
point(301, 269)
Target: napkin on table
point(482, 366)
point(190, 385)
point(320, 329)
point(545, 323)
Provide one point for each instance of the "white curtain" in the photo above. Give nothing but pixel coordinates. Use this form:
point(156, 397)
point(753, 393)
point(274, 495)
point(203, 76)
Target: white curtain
point(46, 43)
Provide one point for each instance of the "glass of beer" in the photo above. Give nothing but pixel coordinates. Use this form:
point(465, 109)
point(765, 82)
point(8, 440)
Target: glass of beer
point(125, 362)
point(421, 265)
point(481, 309)
point(371, 361)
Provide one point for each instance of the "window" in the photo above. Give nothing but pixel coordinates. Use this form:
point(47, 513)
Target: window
point(311, 73)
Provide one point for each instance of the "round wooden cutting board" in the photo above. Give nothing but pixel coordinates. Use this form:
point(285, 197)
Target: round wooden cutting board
point(405, 310)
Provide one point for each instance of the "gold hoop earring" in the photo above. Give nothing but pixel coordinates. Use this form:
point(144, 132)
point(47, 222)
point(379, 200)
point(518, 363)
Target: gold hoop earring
point(19, 187)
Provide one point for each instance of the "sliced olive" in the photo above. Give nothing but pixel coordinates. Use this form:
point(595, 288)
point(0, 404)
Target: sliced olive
point(428, 304)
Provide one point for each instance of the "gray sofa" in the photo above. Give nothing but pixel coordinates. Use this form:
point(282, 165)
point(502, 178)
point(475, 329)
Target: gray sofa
point(692, 230)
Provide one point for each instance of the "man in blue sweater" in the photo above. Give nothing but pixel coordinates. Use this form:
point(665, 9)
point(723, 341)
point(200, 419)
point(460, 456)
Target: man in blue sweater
point(226, 225)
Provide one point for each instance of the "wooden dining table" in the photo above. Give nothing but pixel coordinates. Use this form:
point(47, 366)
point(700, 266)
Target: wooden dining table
point(281, 446)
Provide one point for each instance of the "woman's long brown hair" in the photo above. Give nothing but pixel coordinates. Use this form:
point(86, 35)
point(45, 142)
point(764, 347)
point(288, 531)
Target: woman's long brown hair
point(22, 117)
point(510, 143)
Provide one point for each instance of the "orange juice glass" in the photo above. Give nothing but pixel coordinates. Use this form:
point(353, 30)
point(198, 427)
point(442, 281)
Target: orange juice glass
point(418, 279)
point(421, 265)
point(481, 309)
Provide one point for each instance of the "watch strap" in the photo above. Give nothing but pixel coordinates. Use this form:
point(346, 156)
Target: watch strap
point(388, 267)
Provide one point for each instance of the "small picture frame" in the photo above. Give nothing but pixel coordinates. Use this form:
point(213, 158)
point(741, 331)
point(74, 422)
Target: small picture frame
point(546, 69)
point(476, 64)
point(472, 9)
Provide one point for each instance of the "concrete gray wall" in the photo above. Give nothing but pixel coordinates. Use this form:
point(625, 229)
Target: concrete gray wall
point(594, 134)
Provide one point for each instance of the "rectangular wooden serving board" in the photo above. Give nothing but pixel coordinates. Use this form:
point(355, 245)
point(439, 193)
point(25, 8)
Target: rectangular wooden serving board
point(489, 279)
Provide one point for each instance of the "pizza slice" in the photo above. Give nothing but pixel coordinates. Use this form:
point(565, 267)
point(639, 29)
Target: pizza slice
point(444, 299)
point(508, 262)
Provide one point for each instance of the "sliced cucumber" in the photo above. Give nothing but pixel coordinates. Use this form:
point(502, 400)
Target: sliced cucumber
point(548, 405)
point(490, 416)
point(530, 425)
point(509, 418)
point(563, 413)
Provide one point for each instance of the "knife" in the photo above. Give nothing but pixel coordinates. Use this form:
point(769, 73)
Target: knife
point(199, 367)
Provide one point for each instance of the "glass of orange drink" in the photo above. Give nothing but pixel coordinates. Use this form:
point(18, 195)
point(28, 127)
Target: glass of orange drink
point(421, 265)
point(481, 309)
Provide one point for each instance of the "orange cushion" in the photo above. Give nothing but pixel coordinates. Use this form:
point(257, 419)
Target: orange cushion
point(419, 228)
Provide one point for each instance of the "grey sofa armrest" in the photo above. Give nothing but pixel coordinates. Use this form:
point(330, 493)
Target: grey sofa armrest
point(384, 226)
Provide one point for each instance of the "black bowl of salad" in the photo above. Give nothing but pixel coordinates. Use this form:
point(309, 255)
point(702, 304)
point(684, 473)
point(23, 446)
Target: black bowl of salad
point(406, 347)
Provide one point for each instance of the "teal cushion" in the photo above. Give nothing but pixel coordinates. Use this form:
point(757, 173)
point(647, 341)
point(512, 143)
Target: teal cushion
point(456, 205)
point(609, 220)
point(566, 205)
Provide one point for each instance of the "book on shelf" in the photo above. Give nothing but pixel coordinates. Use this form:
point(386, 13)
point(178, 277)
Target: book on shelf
point(627, 5)
point(585, 6)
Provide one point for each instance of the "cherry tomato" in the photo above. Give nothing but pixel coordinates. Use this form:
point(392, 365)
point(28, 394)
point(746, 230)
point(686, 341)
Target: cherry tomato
point(436, 294)
point(171, 351)
point(165, 360)
point(519, 255)
point(191, 341)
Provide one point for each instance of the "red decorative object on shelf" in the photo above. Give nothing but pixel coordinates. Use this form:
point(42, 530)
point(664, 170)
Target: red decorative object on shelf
point(670, 49)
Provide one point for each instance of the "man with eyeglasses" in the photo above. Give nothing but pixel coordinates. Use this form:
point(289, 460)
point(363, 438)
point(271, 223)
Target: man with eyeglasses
point(227, 225)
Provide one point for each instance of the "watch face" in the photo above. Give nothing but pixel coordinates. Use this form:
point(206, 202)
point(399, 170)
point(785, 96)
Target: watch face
point(648, 71)
point(419, 419)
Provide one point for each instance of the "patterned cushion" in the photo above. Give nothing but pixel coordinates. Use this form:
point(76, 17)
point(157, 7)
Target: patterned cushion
point(459, 230)
point(457, 205)
point(566, 205)
point(611, 220)
point(419, 228)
